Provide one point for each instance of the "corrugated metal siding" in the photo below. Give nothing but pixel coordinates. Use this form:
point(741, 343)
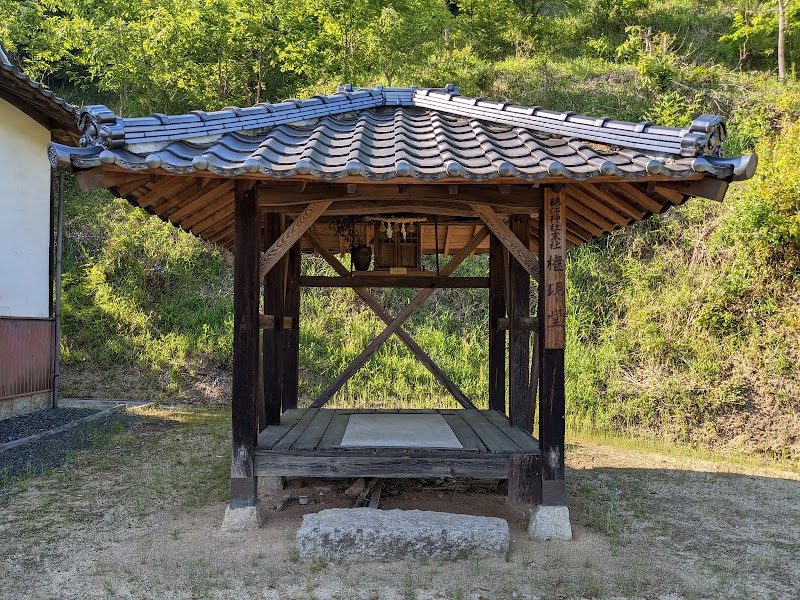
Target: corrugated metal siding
point(26, 356)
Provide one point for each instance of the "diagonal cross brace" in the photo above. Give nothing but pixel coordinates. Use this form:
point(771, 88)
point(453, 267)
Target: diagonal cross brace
point(507, 238)
point(287, 239)
point(395, 326)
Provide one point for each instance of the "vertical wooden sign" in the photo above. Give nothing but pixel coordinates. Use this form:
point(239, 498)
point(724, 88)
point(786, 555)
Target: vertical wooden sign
point(554, 246)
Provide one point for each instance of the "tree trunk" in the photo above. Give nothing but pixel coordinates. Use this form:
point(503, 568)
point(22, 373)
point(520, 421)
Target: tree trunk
point(782, 6)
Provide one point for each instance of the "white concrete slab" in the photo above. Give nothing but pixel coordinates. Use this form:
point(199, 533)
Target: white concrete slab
point(399, 431)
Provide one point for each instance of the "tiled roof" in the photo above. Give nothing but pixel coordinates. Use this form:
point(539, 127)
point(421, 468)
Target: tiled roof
point(386, 133)
point(40, 103)
point(182, 168)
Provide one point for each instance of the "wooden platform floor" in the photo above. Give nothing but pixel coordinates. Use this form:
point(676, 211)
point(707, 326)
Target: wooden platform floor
point(307, 444)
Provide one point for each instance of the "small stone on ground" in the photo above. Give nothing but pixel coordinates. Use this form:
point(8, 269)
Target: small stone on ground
point(550, 523)
point(356, 489)
point(349, 534)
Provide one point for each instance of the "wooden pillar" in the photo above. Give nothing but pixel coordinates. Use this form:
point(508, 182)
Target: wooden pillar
point(519, 310)
point(274, 282)
point(497, 336)
point(552, 302)
point(245, 346)
point(291, 332)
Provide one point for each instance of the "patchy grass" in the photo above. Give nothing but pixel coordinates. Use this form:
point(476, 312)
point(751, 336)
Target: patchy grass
point(138, 516)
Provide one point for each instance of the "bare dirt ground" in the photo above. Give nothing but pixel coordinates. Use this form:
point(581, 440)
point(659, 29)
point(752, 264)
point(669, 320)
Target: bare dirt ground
point(138, 517)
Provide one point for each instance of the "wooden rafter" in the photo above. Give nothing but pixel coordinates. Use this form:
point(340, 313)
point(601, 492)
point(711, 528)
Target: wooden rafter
point(633, 193)
point(601, 192)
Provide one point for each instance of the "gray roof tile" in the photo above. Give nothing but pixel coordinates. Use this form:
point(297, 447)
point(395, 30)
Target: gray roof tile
point(383, 133)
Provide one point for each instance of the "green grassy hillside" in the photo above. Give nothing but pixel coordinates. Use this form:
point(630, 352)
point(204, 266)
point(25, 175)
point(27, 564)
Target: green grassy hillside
point(685, 327)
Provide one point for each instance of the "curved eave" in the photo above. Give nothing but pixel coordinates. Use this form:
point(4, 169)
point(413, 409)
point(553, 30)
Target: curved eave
point(546, 170)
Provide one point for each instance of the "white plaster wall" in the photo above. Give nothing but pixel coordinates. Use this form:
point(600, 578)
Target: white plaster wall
point(24, 214)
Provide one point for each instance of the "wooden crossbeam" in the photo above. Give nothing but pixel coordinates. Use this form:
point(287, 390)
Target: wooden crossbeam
point(279, 194)
point(389, 281)
point(293, 233)
point(395, 324)
point(509, 240)
point(378, 309)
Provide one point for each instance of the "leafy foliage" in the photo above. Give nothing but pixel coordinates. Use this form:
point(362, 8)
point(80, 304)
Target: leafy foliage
point(685, 325)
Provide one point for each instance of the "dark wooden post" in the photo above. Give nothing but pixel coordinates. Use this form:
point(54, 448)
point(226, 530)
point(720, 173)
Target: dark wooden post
point(291, 333)
point(274, 285)
point(552, 302)
point(519, 336)
point(497, 336)
point(245, 346)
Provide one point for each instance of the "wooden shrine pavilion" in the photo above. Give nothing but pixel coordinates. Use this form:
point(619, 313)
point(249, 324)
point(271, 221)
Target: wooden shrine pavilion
point(405, 172)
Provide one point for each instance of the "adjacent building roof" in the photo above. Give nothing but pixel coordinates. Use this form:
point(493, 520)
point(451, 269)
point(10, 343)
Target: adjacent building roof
point(180, 166)
point(38, 102)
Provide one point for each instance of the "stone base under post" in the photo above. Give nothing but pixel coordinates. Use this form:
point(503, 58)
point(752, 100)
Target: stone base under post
point(243, 518)
point(550, 523)
point(244, 511)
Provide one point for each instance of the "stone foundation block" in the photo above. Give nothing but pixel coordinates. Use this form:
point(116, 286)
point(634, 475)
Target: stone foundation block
point(349, 534)
point(242, 519)
point(550, 523)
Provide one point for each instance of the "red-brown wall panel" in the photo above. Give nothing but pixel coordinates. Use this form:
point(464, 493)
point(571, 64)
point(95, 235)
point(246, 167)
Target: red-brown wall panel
point(26, 356)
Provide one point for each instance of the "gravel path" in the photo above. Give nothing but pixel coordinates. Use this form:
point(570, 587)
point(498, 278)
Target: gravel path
point(51, 451)
point(20, 427)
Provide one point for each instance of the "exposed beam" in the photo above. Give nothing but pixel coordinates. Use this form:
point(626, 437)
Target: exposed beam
point(611, 200)
point(713, 189)
point(583, 199)
point(518, 196)
point(394, 281)
point(378, 309)
point(519, 250)
point(430, 206)
point(210, 203)
point(404, 314)
point(98, 179)
point(163, 189)
point(635, 194)
point(126, 189)
point(294, 232)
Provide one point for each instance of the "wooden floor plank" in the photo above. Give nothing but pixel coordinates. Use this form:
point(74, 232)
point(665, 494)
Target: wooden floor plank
point(295, 432)
point(310, 438)
point(468, 438)
point(494, 439)
point(273, 434)
point(335, 431)
point(517, 435)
